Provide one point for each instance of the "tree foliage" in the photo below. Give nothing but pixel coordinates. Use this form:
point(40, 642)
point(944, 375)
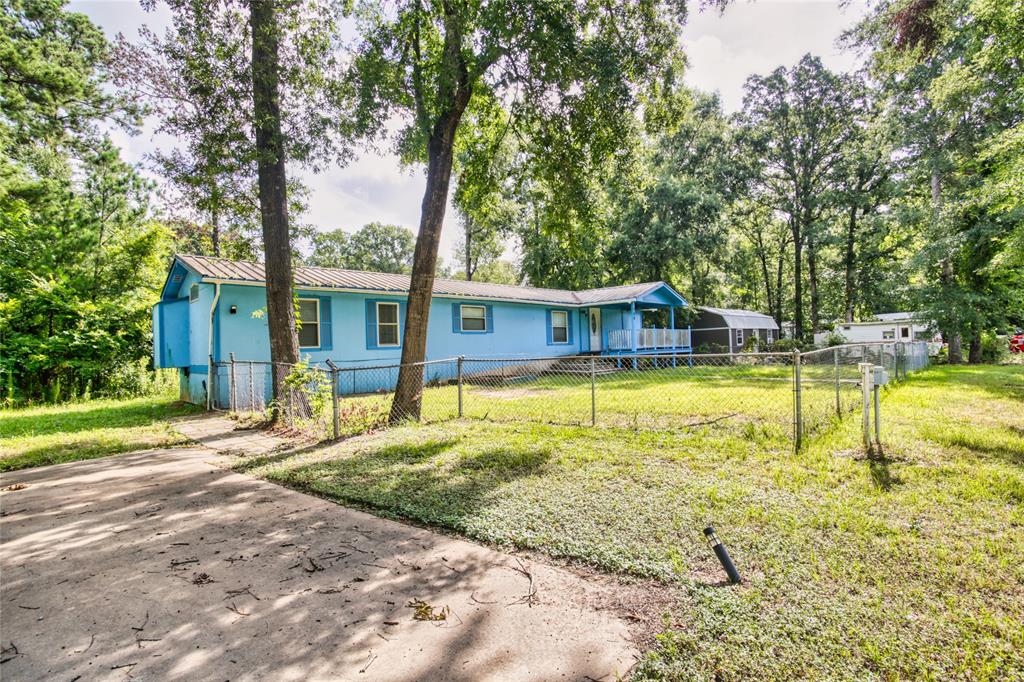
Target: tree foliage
point(80, 258)
point(375, 247)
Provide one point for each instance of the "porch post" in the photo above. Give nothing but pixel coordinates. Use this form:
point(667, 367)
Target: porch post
point(672, 326)
point(632, 329)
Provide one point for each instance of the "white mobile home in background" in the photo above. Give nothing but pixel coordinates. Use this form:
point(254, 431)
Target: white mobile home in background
point(885, 327)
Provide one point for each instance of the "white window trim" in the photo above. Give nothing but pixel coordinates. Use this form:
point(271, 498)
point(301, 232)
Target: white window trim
point(739, 337)
point(462, 327)
point(317, 321)
point(396, 323)
point(560, 326)
point(768, 336)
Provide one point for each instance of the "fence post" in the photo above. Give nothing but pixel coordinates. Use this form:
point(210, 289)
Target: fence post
point(798, 419)
point(593, 391)
point(334, 399)
point(252, 390)
point(289, 410)
point(459, 365)
point(232, 398)
point(835, 363)
point(866, 376)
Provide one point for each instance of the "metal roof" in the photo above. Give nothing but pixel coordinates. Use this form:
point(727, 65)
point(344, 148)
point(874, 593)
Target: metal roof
point(225, 270)
point(736, 318)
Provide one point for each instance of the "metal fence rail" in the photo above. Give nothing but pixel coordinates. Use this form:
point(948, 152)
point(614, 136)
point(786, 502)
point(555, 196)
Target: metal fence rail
point(783, 395)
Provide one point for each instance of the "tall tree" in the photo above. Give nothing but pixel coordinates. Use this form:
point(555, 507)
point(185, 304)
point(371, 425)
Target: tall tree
point(192, 87)
point(273, 185)
point(950, 72)
point(798, 121)
point(79, 257)
point(278, 63)
point(671, 229)
point(573, 68)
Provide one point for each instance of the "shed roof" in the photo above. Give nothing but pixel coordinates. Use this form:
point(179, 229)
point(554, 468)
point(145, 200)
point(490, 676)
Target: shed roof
point(225, 270)
point(736, 318)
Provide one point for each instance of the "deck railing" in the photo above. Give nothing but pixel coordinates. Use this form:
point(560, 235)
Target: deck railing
point(648, 339)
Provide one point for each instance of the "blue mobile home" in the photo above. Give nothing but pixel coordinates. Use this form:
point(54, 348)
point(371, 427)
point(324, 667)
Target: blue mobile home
point(212, 307)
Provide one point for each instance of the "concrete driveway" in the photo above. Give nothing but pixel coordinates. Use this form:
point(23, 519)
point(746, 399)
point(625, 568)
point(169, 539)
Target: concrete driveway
point(160, 564)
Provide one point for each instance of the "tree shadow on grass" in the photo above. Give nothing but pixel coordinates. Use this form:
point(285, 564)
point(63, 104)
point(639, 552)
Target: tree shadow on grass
point(424, 481)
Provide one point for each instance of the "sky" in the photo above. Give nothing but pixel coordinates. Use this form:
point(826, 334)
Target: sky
point(722, 50)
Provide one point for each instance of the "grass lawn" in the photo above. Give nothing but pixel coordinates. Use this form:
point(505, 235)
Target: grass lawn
point(762, 394)
point(53, 434)
point(909, 565)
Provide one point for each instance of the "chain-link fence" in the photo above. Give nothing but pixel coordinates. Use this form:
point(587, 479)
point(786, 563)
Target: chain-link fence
point(783, 395)
point(828, 384)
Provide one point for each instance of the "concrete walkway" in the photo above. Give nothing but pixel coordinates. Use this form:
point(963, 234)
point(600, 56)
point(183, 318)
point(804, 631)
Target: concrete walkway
point(161, 564)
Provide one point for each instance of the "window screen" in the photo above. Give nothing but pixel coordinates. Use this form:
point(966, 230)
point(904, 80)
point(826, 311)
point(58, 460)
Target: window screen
point(387, 324)
point(559, 326)
point(474, 318)
point(309, 316)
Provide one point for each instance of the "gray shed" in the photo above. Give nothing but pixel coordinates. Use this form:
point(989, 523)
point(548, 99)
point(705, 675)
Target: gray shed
point(727, 330)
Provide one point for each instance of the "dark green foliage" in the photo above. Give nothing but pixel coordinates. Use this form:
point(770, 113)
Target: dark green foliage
point(375, 247)
point(79, 257)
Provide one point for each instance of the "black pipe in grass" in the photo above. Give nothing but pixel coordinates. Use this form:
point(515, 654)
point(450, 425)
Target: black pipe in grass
point(723, 556)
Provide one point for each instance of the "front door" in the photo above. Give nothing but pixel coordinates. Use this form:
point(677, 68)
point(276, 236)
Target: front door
point(595, 329)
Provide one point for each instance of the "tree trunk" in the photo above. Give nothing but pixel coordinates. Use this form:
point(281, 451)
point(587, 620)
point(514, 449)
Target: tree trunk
point(849, 261)
point(409, 391)
point(812, 275)
point(284, 342)
point(779, 273)
point(469, 251)
point(798, 285)
point(974, 350)
point(950, 334)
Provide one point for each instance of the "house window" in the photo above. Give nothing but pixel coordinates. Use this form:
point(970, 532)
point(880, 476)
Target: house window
point(309, 316)
point(768, 336)
point(905, 332)
point(739, 337)
point(559, 326)
point(474, 318)
point(193, 293)
point(889, 335)
point(387, 324)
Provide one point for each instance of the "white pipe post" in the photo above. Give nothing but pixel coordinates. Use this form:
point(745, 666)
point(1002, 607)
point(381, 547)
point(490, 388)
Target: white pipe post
point(866, 381)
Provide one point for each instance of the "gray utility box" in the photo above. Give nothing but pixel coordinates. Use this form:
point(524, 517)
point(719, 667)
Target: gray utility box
point(881, 376)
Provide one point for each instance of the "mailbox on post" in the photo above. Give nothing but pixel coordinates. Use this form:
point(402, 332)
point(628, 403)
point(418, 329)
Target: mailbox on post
point(881, 376)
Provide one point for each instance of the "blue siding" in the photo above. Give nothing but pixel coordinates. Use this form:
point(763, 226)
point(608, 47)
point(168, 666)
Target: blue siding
point(170, 333)
point(348, 334)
